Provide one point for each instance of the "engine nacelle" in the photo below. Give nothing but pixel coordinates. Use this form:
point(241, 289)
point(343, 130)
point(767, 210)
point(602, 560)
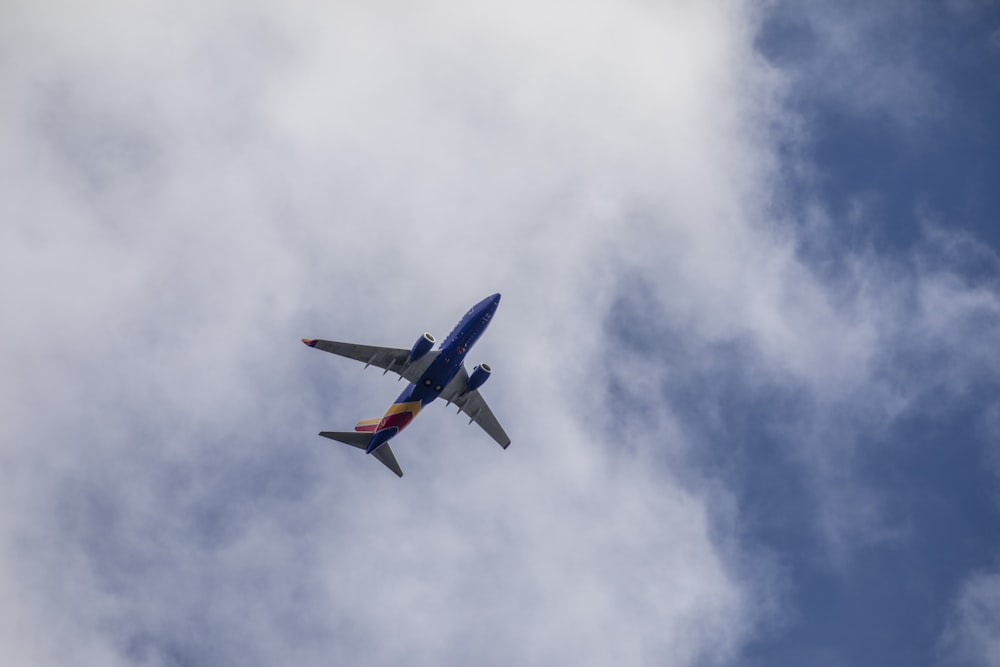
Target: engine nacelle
point(421, 347)
point(480, 374)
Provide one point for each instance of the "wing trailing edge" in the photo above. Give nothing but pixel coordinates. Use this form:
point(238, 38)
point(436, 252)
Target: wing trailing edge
point(472, 403)
point(388, 359)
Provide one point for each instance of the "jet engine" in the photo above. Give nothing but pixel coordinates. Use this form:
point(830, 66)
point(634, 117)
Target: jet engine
point(480, 374)
point(421, 347)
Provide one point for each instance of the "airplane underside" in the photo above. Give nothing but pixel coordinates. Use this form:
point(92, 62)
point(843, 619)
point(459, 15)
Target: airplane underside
point(431, 374)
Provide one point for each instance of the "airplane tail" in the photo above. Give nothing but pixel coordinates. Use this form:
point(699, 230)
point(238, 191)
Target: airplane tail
point(384, 455)
point(368, 425)
point(360, 440)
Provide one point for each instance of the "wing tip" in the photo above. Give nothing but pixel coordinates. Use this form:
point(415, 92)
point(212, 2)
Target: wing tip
point(310, 342)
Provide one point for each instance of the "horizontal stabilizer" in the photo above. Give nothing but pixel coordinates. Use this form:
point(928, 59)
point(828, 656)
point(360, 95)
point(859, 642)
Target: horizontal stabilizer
point(352, 438)
point(360, 440)
point(384, 454)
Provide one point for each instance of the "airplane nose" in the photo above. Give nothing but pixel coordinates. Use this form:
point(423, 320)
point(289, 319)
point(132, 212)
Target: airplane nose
point(495, 298)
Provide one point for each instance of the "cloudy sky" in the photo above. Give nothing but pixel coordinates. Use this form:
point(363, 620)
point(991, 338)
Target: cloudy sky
point(747, 351)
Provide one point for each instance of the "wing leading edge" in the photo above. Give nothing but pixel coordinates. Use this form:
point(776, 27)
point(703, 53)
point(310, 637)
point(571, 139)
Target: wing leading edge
point(392, 359)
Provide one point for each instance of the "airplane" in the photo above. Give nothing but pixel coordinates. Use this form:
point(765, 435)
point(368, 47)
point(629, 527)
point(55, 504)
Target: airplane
point(433, 374)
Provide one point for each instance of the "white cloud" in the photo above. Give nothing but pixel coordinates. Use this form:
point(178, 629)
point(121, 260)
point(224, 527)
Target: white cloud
point(195, 187)
point(972, 637)
point(863, 58)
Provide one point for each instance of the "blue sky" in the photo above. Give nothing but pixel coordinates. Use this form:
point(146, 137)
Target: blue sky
point(932, 466)
point(746, 351)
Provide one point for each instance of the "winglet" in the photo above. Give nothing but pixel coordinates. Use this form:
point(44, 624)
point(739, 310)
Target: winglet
point(309, 342)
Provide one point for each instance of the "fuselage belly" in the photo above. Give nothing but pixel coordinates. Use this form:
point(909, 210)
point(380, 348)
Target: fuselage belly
point(441, 371)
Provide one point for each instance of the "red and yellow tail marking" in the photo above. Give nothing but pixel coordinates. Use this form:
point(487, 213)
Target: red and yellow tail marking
point(399, 415)
point(367, 425)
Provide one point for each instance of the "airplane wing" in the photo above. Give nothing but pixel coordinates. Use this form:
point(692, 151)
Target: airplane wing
point(388, 358)
point(473, 404)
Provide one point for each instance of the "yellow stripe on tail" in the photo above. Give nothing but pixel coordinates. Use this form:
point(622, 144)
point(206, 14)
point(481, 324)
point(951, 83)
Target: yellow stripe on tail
point(367, 425)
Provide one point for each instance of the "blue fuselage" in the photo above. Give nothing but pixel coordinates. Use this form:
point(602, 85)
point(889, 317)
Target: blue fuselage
point(441, 371)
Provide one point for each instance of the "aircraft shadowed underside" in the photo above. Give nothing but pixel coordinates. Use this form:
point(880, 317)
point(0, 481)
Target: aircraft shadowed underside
point(432, 374)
